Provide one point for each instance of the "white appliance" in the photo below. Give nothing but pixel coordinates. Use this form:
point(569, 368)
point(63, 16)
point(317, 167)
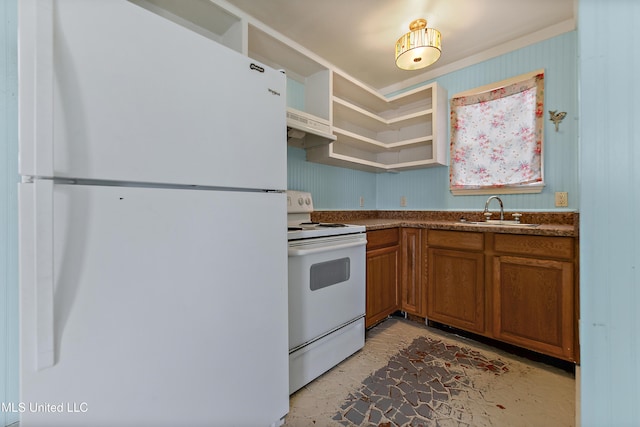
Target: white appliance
point(149, 293)
point(327, 287)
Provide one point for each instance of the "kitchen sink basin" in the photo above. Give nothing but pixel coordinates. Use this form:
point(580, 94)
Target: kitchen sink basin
point(498, 223)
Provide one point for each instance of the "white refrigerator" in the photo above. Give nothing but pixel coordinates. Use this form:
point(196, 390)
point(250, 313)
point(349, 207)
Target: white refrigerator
point(153, 253)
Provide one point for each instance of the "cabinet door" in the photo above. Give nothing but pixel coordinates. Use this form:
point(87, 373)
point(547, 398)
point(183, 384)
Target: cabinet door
point(382, 283)
point(456, 288)
point(412, 291)
point(534, 304)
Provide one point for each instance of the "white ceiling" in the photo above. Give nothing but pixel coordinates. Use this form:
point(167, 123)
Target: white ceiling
point(358, 36)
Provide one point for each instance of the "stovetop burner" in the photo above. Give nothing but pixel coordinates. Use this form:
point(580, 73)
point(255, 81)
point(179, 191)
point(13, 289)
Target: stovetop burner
point(300, 225)
point(322, 224)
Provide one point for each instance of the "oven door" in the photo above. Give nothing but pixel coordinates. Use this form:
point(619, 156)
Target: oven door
point(326, 285)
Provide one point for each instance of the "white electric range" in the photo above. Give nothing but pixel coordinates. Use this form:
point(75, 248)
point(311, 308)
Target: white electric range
point(327, 291)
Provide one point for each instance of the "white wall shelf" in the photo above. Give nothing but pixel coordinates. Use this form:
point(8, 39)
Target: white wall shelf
point(345, 112)
point(368, 144)
point(378, 134)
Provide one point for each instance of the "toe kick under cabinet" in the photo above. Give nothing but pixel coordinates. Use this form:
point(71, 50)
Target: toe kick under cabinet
point(518, 289)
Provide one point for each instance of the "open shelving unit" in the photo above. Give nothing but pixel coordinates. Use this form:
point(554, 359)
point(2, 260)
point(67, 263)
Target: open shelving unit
point(379, 134)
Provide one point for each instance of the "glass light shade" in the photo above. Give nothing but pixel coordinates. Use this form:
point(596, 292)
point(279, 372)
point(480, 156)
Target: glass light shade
point(419, 48)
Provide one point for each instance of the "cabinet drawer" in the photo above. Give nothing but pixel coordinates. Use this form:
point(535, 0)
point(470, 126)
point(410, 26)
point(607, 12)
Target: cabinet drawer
point(456, 239)
point(545, 246)
point(382, 238)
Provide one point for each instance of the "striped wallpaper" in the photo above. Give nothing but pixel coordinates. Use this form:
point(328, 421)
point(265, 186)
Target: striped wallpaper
point(609, 65)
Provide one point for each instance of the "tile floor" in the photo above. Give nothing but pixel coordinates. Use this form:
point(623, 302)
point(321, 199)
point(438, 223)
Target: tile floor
point(411, 375)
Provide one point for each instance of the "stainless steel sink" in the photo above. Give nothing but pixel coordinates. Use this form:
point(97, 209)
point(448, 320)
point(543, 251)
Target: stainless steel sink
point(499, 223)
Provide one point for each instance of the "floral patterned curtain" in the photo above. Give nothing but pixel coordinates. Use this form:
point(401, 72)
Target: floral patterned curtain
point(496, 137)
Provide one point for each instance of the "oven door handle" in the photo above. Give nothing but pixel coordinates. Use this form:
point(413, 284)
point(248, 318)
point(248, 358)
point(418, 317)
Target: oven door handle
point(324, 248)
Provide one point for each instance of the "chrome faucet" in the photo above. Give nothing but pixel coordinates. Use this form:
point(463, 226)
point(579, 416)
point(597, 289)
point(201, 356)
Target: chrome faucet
point(486, 212)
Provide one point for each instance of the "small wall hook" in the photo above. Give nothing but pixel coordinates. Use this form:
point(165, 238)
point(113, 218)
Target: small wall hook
point(556, 117)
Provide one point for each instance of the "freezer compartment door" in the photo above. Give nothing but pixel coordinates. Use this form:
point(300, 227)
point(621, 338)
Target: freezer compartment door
point(164, 308)
point(109, 90)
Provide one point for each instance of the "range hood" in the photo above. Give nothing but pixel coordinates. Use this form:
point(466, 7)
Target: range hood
point(305, 130)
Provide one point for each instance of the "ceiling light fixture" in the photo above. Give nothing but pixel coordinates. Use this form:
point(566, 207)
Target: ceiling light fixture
point(419, 48)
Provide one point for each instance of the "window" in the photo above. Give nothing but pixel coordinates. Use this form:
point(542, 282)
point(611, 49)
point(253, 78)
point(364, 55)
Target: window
point(496, 137)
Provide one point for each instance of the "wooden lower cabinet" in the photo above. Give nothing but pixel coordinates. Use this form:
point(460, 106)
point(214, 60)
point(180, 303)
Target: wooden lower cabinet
point(533, 304)
point(456, 289)
point(383, 274)
point(535, 293)
point(412, 287)
point(519, 289)
point(395, 273)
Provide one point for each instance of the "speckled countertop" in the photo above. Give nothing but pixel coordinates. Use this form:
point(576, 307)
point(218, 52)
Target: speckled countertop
point(550, 223)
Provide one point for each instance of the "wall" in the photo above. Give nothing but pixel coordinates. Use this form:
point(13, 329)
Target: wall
point(8, 209)
point(428, 189)
point(332, 188)
point(609, 65)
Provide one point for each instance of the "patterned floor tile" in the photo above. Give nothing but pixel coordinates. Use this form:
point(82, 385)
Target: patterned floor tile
point(411, 375)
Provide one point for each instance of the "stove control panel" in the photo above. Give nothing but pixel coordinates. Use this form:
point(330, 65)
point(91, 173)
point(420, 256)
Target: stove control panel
point(299, 202)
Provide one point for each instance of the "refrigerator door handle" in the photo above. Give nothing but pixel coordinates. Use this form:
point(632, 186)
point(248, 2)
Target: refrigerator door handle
point(36, 91)
point(45, 344)
point(43, 155)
